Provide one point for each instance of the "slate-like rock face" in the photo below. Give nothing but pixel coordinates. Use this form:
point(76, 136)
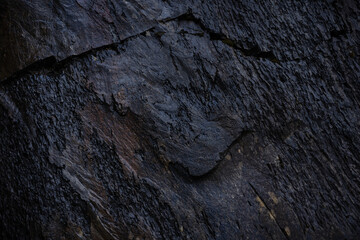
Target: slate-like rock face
point(155, 119)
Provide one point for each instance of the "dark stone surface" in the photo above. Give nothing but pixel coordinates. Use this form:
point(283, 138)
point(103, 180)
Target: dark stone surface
point(179, 119)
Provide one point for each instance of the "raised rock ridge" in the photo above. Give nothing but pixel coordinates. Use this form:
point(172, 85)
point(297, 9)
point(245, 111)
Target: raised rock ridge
point(179, 119)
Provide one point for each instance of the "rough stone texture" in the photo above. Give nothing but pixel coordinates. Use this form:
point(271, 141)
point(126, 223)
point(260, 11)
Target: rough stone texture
point(179, 119)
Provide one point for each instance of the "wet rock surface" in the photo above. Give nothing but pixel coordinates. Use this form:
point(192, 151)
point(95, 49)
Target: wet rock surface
point(179, 119)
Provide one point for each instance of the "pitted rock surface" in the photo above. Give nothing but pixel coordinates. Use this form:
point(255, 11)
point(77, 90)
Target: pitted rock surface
point(188, 119)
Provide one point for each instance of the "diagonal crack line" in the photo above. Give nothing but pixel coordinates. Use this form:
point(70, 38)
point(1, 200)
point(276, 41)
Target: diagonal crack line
point(269, 210)
point(51, 62)
point(255, 51)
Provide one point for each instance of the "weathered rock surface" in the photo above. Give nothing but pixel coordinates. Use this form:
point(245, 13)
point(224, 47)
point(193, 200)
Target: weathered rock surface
point(179, 119)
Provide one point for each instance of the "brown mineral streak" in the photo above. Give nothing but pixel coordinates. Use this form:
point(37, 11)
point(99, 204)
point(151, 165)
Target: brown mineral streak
point(182, 119)
point(116, 131)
